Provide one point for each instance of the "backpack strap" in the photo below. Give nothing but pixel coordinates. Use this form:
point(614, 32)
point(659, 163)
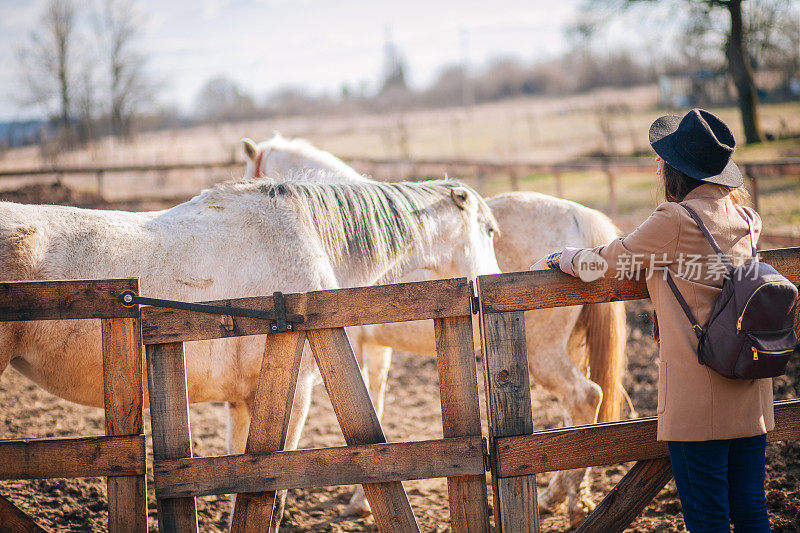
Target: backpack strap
point(698, 330)
point(752, 233)
point(713, 242)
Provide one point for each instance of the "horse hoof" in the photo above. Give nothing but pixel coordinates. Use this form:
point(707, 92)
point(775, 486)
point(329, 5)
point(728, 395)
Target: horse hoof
point(579, 512)
point(356, 510)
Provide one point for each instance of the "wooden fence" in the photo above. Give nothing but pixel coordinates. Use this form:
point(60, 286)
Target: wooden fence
point(518, 453)
point(120, 455)
point(421, 168)
point(367, 459)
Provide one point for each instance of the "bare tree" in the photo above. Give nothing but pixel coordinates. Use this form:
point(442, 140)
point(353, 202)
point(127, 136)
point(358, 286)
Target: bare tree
point(221, 99)
point(119, 26)
point(736, 52)
point(45, 61)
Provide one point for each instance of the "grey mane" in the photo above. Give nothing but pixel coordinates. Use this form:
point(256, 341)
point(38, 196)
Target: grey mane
point(366, 224)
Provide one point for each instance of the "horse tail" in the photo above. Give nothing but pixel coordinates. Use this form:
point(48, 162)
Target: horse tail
point(604, 328)
point(604, 325)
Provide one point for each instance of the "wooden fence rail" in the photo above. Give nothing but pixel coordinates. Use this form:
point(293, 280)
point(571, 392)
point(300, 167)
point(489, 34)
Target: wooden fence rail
point(518, 453)
point(368, 459)
point(120, 455)
point(418, 168)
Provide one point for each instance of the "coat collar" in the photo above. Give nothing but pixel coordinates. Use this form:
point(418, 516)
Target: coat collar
point(708, 190)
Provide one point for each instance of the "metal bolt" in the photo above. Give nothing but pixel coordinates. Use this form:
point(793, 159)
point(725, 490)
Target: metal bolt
point(128, 298)
point(274, 327)
point(289, 327)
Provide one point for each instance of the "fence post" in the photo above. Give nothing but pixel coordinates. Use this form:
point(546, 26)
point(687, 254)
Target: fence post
point(458, 385)
point(513, 177)
point(613, 207)
point(169, 418)
point(122, 385)
point(99, 178)
point(753, 186)
point(508, 399)
point(559, 183)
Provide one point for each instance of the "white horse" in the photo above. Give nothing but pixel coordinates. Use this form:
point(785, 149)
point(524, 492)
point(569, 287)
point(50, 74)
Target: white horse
point(240, 239)
point(561, 342)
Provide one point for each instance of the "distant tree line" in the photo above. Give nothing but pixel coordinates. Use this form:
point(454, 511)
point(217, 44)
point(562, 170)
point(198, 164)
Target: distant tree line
point(83, 66)
point(736, 37)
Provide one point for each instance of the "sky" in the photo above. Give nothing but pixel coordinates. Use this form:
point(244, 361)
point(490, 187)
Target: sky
point(265, 45)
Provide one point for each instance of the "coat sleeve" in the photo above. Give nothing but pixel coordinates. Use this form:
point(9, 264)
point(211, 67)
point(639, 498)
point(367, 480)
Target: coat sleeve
point(653, 244)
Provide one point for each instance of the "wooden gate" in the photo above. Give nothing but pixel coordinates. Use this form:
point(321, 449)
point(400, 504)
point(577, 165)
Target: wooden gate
point(518, 453)
point(367, 459)
point(120, 455)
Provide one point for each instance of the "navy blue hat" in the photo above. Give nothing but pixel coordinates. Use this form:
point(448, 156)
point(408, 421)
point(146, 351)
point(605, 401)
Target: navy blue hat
point(700, 145)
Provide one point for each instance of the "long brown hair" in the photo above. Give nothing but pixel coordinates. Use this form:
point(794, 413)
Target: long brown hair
point(676, 186)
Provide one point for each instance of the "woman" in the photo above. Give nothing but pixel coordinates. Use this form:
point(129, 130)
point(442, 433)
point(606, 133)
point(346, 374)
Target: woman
point(715, 426)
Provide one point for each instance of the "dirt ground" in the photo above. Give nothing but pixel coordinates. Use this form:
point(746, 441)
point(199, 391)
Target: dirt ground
point(412, 413)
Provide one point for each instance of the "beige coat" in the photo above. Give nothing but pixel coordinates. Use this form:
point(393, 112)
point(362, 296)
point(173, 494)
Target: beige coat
point(694, 402)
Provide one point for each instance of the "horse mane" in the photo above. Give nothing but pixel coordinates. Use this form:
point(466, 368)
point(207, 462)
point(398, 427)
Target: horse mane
point(364, 224)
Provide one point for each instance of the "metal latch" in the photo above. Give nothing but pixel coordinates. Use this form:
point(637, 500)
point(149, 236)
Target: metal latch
point(281, 320)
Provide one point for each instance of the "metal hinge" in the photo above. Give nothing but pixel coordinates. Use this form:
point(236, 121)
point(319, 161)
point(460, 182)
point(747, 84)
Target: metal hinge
point(487, 458)
point(474, 303)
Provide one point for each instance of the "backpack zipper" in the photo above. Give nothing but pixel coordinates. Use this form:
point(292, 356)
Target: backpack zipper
point(739, 322)
point(768, 352)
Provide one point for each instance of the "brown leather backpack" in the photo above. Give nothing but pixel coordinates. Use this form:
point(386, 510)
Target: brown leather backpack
point(750, 333)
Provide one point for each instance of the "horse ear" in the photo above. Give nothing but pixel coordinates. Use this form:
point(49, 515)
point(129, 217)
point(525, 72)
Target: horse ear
point(250, 148)
point(461, 197)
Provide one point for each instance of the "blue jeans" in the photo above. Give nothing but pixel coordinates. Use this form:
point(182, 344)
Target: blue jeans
point(721, 481)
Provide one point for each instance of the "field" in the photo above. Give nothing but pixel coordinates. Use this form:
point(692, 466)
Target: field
point(541, 129)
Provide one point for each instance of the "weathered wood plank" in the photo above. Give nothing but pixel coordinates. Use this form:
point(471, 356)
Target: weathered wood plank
point(122, 379)
point(169, 418)
point(607, 443)
point(322, 309)
point(518, 507)
point(343, 465)
point(56, 300)
point(271, 409)
point(508, 400)
point(628, 499)
point(458, 385)
point(14, 520)
point(75, 457)
point(359, 422)
point(508, 382)
point(523, 291)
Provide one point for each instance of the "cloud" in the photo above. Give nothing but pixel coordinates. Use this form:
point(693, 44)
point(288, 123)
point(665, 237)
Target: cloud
point(212, 8)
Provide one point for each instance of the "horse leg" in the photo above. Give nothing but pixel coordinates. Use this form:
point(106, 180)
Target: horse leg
point(300, 406)
point(6, 336)
point(377, 360)
point(550, 365)
point(238, 426)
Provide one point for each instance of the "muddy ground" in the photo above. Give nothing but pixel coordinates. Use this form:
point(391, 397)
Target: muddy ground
point(412, 413)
